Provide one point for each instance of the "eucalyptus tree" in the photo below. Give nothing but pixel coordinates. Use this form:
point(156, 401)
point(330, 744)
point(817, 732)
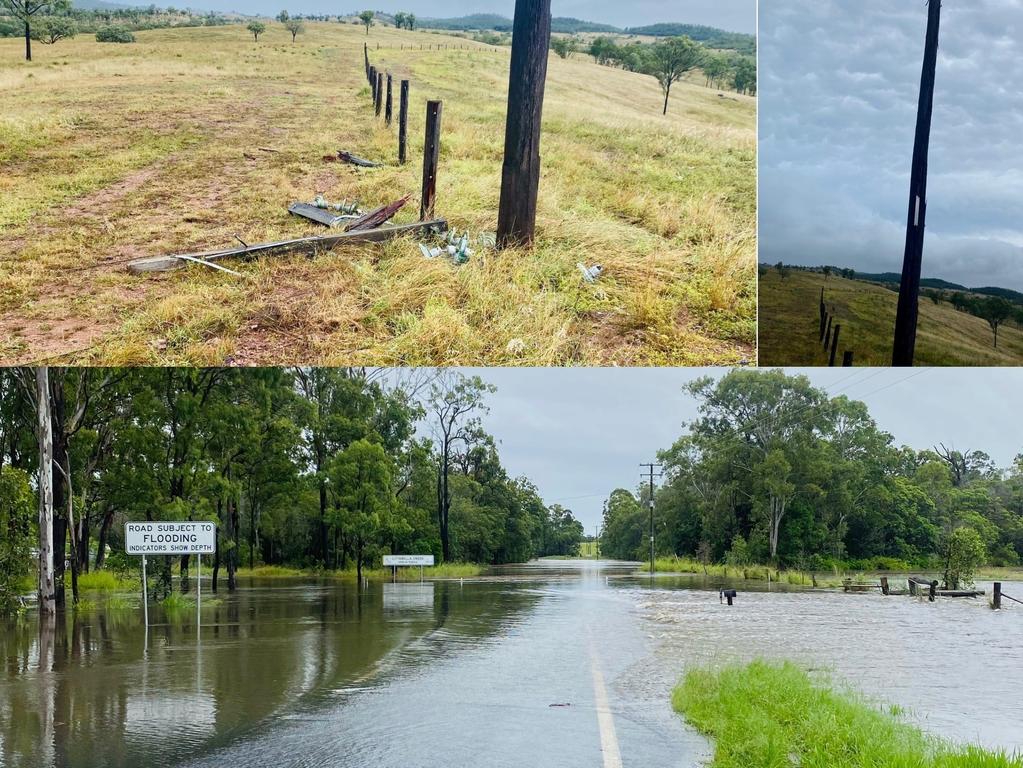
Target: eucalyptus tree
point(670, 60)
point(26, 10)
point(455, 405)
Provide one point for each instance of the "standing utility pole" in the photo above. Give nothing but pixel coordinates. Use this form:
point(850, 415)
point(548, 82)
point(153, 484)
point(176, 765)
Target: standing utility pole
point(520, 175)
point(651, 468)
point(909, 290)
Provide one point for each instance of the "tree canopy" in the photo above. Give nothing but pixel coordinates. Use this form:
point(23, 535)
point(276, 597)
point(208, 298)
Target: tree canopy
point(318, 468)
point(776, 470)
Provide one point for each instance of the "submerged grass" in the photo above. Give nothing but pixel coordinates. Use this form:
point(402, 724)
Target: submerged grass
point(118, 152)
point(774, 716)
point(442, 571)
point(747, 572)
point(104, 581)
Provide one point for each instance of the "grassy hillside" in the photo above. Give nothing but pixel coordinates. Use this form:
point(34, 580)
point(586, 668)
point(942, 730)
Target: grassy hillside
point(789, 327)
point(109, 153)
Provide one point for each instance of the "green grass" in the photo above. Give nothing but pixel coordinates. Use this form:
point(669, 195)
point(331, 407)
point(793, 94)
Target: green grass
point(790, 330)
point(103, 581)
point(774, 716)
point(747, 572)
point(109, 153)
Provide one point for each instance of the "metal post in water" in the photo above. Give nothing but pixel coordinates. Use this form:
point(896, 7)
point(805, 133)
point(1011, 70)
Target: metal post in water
point(198, 593)
point(145, 593)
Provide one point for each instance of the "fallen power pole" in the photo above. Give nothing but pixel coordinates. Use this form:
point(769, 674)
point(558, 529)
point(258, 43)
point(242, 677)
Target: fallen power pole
point(908, 311)
point(308, 244)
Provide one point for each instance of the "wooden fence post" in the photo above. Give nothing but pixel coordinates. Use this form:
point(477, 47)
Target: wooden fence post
point(996, 598)
point(520, 174)
point(388, 108)
point(403, 123)
point(373, 82)
point(431, 155)
point(365, 53)
point(827, 334)
point(834, 345)
point(847, 359)
point(824, 320)
point(933, 589)
point(884, 585)
point(379, 98)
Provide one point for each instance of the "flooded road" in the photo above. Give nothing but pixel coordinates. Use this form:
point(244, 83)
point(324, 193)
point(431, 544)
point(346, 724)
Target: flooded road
point(556, 664)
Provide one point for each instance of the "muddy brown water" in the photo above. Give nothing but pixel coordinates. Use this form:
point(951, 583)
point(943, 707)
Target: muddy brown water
point(558, 663)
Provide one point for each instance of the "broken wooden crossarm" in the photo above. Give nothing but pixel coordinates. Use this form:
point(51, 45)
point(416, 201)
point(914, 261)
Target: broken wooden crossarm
point(309, 244)
point(319, 215)
point(348, 157)
point(376, 218)
point(196, 260)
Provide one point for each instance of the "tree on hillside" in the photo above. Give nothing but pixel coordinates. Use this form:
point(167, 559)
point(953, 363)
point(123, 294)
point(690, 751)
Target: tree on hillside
point(602, 49)
point(295, 27)
point(410, 22)
point(400, 19)
point(53, 29)
point(746, 76)
point(366, 17)
point(26, 10)
point(283, 17)
point(564, 46)
point(996, 311)
point(716, 67)
point(256, 28)
point(669, 61)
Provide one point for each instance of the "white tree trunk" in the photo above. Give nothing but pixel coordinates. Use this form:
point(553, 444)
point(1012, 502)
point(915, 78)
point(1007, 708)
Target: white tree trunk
point(47, 586)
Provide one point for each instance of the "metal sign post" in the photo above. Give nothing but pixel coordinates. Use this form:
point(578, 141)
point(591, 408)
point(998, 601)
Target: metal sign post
point(198, 593)
point(145, 592)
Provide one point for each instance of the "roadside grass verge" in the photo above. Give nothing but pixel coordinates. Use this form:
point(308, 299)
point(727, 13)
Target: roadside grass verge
point(790, 332)
point(774, 716)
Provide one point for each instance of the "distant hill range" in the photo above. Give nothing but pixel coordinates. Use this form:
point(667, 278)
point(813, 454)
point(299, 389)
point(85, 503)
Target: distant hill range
point(498, 23)
point(942, 285)
point(710, 36)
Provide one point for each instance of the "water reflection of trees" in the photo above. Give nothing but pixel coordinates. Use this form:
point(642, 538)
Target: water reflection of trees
point(92, 688)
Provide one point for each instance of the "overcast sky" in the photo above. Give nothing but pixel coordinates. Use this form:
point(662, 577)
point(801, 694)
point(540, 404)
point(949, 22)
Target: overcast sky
point(733, 15)
point(580, 433)
point(839, 87)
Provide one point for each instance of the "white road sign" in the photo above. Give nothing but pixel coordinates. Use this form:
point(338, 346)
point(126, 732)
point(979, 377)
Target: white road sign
point(393, 561)
point(170, 538)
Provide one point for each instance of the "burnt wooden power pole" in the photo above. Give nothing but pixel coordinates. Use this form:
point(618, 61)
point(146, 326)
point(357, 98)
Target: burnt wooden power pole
point(520, 175)
point(909, 291)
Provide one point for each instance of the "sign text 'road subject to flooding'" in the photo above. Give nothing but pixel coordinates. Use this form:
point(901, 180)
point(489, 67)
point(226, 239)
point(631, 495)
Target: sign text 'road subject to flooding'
point(170, 538)
point(394, 561)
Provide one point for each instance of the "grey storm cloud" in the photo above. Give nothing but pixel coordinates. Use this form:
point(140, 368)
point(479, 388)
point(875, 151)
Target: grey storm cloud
point(733, 15)
point(839, 87)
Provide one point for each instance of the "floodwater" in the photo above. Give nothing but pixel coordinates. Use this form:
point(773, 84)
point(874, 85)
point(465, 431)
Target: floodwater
point(559, 663)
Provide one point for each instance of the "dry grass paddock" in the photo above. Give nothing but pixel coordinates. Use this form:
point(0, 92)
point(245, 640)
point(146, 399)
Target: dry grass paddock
point(115, 152)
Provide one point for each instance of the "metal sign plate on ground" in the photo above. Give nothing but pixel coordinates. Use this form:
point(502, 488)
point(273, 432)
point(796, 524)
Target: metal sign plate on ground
point(185, 538)
point(391, 561)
